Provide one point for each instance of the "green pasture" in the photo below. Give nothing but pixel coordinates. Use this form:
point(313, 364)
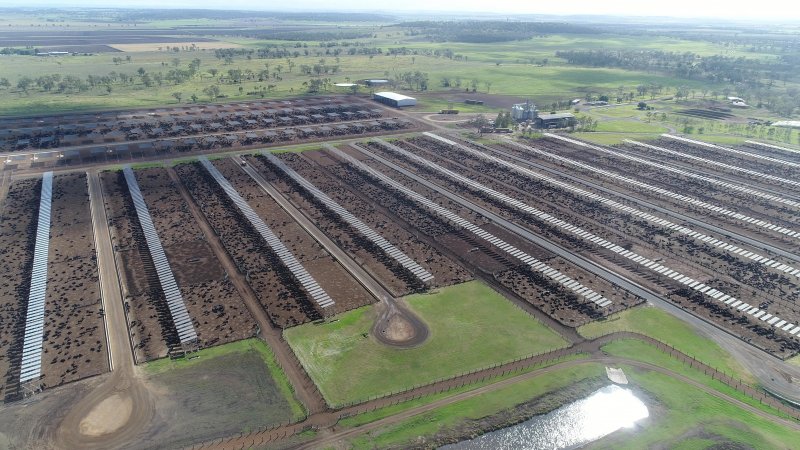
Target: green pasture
point(681, 412)
point(471, 327)
point(493, 402)
point(493, 65)
point(654, 322)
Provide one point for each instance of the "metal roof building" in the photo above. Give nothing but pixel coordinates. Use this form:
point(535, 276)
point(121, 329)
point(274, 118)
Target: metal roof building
point(394, 99)
point(560, 120)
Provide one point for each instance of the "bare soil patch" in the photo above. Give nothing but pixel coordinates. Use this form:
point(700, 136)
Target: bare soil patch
point(108, 416)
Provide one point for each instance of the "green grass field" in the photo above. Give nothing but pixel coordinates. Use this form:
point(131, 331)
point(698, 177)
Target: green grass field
point(630, 126)
point(484, 405)
point(613, 138)
point(471, 327)
point(381, 413)
point(678, 412)
point(642, 351)
point(661, 325)
point(683, 414)
point(500, 68)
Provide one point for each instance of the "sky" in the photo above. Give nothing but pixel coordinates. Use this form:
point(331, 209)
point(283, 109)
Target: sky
point(783, 10)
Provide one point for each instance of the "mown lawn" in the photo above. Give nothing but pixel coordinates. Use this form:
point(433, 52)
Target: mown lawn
point(471, 327)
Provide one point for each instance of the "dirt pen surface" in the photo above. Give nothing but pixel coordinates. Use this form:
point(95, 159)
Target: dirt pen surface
point(17, 238)
point(465, 334)
point(74, 334)
point(385, 269)
point(476, 253)
point(216, 309)
point(330, 275)
point(286, 303)
point(763, 287)
point(124, 136)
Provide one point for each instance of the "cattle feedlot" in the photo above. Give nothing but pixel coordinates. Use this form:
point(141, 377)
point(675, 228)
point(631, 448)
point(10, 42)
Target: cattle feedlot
point(237, 240)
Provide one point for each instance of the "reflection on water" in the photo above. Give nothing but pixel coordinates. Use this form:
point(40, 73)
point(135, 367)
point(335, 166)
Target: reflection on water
point(605, 411)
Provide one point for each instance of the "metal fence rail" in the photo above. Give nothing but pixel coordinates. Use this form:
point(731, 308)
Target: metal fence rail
point(287, 258)
point(175, 303)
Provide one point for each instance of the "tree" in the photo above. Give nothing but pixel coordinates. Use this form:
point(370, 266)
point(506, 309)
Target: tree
point(141, 71)
point(178, 96)
point(503, 120)
point(194, 66)
point(641, 106)
point(24, 83)
point(236, 75)
point(488, 85)
point(212, 91)
point(479, 121)
point(194, 98)
point(176, 62)
point(213, 71)
point(4, 83)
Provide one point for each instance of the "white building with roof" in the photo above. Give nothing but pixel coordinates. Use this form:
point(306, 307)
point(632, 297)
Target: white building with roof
point(394, 99)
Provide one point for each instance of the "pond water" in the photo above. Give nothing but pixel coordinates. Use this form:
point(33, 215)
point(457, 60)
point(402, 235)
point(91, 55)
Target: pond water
point(604, 412)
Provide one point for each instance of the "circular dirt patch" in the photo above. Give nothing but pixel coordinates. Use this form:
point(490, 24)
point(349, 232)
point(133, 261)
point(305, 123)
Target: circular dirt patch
point(107, 417)
point(396, 326)
point(398, 329)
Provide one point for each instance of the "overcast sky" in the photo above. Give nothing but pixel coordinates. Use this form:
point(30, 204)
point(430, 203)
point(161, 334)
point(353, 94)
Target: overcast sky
point(784, 10)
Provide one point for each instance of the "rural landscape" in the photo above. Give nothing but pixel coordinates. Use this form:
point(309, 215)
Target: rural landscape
point(244, 229)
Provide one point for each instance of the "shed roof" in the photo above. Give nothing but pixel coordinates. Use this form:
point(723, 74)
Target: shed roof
point(556, 116)
point(393, 96)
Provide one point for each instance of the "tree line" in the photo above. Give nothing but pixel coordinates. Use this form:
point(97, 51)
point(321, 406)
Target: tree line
point(485, 31)
point(688, 65)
